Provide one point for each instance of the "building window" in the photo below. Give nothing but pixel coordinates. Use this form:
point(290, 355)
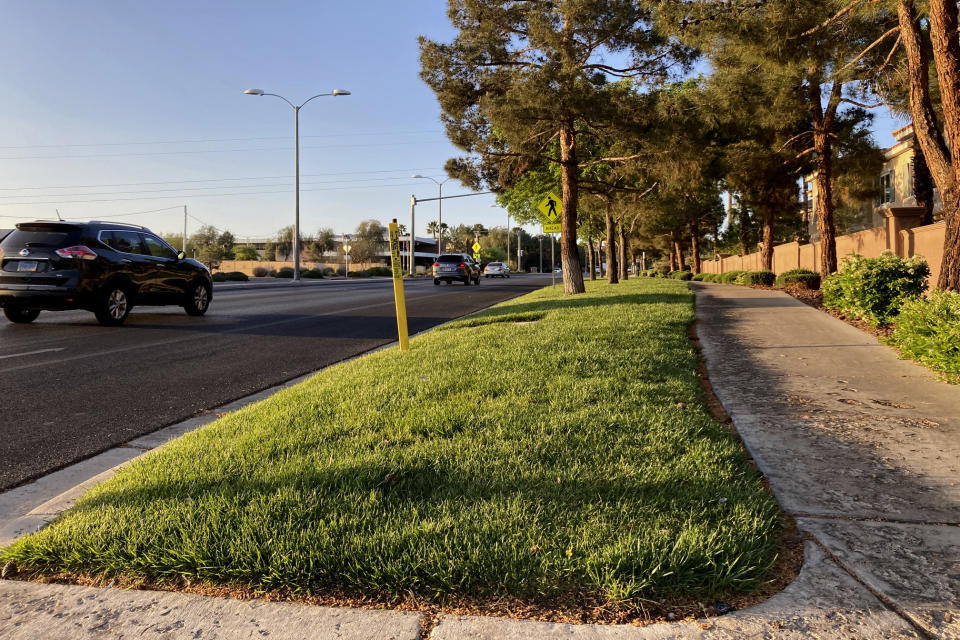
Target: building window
point(886, 188)
point(807, 196)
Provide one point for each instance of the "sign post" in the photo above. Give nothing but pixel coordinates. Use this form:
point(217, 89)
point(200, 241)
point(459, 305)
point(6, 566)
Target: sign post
point(346, 258)
point(398, 297)
point(550, 208)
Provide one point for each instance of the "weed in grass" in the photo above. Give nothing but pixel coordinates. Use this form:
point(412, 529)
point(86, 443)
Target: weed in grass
point(562, 467)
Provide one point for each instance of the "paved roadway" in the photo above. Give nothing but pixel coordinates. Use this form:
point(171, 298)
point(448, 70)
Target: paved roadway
point(70, 388)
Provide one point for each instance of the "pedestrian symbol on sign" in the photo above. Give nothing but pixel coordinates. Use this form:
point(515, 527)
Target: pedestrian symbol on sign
point(548, 207)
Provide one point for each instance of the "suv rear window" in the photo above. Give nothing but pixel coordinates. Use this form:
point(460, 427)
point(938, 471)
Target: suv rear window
point(450, 258)
point(40, 237)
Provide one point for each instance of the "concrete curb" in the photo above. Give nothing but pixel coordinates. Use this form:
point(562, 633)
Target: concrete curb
point(66, 612)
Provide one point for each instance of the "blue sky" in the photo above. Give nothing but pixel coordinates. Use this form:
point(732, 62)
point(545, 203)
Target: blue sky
point(113, 107)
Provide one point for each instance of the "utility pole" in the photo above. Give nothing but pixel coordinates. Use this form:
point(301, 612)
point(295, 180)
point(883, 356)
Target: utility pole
point(184, 229)
point(519, 231)
point(413, 236)
point(541, 252)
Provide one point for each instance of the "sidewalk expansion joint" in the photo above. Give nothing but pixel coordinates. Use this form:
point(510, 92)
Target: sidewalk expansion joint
point(887, 602)
point(848, 518)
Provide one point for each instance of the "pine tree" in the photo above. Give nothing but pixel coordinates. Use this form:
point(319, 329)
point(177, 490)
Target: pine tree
point(520, 75)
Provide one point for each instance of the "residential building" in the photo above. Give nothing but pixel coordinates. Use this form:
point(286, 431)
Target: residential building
point(896, 189)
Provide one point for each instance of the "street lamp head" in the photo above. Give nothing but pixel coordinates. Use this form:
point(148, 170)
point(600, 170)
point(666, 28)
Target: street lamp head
point(340, 92)
point(416, 175)
point(254, 92)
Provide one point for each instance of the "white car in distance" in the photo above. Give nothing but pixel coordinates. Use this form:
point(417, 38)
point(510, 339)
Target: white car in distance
point(496, 270)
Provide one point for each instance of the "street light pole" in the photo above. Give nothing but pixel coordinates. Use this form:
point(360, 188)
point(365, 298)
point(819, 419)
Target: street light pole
point(439, 209)
point(296, 136)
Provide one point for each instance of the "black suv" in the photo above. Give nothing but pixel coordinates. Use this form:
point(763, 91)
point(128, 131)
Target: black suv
point(455, 266)
point(104, 267)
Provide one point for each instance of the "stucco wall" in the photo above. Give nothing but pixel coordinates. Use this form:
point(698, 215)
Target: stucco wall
point(925, 241)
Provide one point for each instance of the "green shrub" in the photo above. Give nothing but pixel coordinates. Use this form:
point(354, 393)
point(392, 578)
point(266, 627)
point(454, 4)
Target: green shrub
point(699, 277)
point(285, 272)
point(329, 271)
point(379, 271)
point(799, 278)
point(312, 273)
point(219, 277)
point(730, 277)
point(237, 276)
point(874, 289)
point(764, 278)
point(260, 272)
point(928, 331)
point(681, 275)
point(712, 277)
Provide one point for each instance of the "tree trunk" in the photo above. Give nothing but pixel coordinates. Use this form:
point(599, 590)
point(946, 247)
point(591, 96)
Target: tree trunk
point(824, 202)
point(695, 245)
point(622, 258)
point(942, 159)
point(569, 255)
point(612, 271)
point(744, 228)
point(677, 249)
point(766, 254)
point(591, 260)
point(673, 260)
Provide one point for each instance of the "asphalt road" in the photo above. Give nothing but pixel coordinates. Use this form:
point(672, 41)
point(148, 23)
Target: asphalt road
point(70, 388)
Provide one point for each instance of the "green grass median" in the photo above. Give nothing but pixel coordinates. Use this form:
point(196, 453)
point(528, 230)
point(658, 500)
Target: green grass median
point(536, 450)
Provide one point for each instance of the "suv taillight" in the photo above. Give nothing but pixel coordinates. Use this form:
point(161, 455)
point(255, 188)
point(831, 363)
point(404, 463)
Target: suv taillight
point(80, 251)
point(463, 266)
point(436, 264)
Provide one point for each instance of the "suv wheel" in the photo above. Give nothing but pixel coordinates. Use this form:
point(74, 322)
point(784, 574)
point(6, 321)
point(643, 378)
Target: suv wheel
point(198, 299)
point(20, 316)
point(114, 305)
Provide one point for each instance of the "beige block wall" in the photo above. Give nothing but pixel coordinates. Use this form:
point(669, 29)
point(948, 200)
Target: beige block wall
point(924, 241)
point(927, 242)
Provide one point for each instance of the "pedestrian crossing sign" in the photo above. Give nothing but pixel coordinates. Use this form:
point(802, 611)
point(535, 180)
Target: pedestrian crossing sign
point(550, 207)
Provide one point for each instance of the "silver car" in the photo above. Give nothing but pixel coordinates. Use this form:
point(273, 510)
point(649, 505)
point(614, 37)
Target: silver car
point(496, 270)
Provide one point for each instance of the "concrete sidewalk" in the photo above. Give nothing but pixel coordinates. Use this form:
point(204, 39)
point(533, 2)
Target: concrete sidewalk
point(861, 448)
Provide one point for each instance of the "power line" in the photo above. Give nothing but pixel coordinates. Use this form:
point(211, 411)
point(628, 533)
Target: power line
point(135, 184)
point(196, 151)
point(199, 195)
point(181, 189)
point(124, 144)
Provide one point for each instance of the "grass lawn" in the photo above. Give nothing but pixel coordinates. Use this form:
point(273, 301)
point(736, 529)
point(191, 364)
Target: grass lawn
point(534, 451)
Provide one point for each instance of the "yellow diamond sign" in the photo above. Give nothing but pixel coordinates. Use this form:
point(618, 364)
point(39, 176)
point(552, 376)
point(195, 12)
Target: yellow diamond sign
point(476, 247)
point(550, 207)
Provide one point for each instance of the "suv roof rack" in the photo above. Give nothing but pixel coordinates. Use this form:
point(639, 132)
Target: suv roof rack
point(119, 224)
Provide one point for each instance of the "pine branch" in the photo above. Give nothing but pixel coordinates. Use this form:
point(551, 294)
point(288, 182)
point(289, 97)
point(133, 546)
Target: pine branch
point(862, 105)
point(873, 45)
point(794, 138)
point(893, 50)
point(826, 23)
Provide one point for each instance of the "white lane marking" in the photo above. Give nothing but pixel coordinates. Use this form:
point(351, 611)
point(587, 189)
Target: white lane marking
point(30, 353)
point(204, 335)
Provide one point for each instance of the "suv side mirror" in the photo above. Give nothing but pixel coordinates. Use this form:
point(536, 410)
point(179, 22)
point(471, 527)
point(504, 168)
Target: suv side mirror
point(181, 255)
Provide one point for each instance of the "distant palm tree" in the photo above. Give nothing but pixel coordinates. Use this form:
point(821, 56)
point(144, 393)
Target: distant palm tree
point(433, 228)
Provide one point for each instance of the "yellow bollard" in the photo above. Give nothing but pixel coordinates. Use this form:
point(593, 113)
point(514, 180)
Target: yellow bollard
point(398, 285)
